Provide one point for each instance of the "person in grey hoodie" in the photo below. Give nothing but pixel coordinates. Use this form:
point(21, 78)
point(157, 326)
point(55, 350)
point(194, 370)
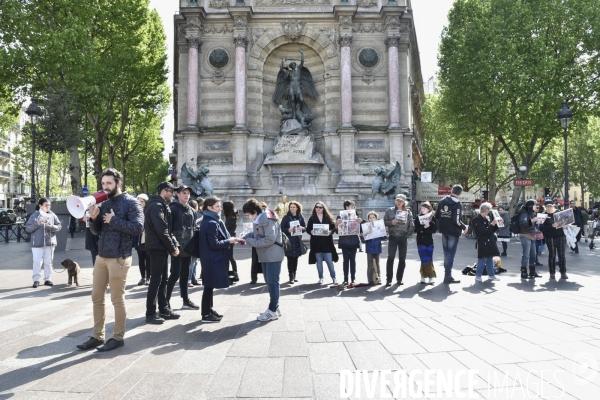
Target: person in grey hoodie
point(42, 227)
point(266, 238)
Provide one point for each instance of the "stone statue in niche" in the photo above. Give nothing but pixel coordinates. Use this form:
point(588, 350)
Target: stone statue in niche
point(387, 183)
point(293, 83)
point(198, 182)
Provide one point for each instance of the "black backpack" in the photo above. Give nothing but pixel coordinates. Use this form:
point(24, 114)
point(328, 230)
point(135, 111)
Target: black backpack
point(514, 224)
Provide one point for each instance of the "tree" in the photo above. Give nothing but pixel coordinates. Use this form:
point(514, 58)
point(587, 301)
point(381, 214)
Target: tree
point(505, 67)
point(110, 54)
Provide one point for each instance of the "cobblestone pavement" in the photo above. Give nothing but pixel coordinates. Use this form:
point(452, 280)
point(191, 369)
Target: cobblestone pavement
point(511, 339)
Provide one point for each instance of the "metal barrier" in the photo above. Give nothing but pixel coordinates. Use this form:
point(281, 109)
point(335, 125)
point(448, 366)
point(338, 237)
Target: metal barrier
point(15, 231)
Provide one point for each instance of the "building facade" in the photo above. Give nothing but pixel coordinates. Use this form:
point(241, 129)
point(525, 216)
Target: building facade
point(364, 61)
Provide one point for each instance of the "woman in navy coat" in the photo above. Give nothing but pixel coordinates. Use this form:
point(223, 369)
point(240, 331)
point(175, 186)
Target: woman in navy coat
point(294, 214)
point(214, 248)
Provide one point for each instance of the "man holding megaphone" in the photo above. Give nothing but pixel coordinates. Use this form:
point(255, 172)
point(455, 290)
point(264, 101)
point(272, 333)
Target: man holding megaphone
point(116, 221)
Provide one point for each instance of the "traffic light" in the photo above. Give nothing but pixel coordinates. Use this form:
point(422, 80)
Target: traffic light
point(546, 192)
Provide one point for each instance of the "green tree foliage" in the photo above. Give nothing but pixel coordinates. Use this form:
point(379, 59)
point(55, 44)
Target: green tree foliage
point(110, 54)
point(506, 65)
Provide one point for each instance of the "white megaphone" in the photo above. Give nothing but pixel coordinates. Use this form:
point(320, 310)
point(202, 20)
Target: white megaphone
point(78, 205)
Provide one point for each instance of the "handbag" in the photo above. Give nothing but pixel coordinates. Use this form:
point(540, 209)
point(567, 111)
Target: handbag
point(303, 248)
point(285, 242)
point(193, 246)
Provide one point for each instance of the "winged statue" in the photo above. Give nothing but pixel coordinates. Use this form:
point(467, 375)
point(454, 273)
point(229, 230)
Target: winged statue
point(387, 182)
point(294, 83)
point(198, 182)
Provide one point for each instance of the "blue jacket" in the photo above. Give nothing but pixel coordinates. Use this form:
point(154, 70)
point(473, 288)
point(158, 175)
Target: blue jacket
point(373, 246)
point(296, 250)
point(214, 248)
point(116, 237)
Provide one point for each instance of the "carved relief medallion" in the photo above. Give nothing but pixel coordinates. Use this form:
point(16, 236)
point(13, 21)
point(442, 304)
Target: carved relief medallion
point(218, 58)
point(218, 3)
point(292, 28)
point(346, 22)
point(368, 57)
point(193, 23)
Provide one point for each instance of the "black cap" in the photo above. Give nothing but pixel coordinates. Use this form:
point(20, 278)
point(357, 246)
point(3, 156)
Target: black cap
point(165, 185)
point(548, 201)
point(183, 187)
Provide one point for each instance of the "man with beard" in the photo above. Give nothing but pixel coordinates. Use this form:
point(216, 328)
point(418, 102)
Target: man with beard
point(116, 221)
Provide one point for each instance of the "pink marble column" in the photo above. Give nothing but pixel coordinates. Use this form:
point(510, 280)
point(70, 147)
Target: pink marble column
point(393, 81)
point(192, 84)
point(240, 42)
point(346, 78)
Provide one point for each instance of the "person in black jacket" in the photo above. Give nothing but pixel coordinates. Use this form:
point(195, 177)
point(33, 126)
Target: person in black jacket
point(425, 242)
point(556, 241)
point(294, 214)
point(527, 222)
point(450, 225)
point(116, 221)
point(231, 219)
point(321, 244)
point(485, 229)
point(160, 242)
point(578, 222)
point(184, 225)
point(349, 244)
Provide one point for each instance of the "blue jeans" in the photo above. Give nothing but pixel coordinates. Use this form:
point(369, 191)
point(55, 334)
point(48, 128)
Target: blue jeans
point(486, 262)
point(327, 257)
point(271, 271)
point(349, 262)
point(192, 278)
point(529, 252)
point(449, 244)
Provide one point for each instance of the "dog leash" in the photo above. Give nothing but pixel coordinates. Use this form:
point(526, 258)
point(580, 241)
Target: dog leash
point(58, 272)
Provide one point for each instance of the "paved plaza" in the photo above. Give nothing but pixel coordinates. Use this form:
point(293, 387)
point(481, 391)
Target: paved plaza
point(509, 340)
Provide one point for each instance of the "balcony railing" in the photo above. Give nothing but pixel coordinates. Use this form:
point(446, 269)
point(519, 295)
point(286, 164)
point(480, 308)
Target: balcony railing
point(5, 174)
point(4, 154)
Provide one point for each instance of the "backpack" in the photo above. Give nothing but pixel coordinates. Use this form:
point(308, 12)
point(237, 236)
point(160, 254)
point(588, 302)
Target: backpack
point(514, 224)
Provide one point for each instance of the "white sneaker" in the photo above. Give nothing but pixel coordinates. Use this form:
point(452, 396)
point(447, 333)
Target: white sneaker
point(278, 312)
point(431, 281)
point(423, 280)
point(335, 282)
point(321, 281)
point(495, 278)
point(267, 316)
point(478, 279)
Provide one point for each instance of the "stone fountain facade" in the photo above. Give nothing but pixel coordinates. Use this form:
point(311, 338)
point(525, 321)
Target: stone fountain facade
point(365, 65)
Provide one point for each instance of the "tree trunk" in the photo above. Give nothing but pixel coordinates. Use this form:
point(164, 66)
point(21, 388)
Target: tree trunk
point(75, 170)
point(516, 196)
point(492, 171)
point(48, 174)
point(98, 161)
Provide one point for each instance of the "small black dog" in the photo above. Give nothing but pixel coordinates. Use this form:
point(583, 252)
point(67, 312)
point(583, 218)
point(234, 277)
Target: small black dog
point(73, 270)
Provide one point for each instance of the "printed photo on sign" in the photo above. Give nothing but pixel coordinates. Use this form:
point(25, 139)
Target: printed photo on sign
point(374, 229)
point(348, 215)
point(401, 216)
point(564, 218)
point(320, 230)
point(296, 228)
point(498, 218)
point(424, 219)
point(541, 218)
point(348, 228)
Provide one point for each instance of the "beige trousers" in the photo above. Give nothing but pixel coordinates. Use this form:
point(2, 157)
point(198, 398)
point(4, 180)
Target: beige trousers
point(110, 272)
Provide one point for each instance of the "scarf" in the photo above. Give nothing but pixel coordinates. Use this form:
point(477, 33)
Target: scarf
point(217, 217)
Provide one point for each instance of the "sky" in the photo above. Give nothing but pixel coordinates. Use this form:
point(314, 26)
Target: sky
point(430, 17)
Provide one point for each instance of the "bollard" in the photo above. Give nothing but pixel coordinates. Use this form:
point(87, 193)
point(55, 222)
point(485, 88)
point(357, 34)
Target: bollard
point(18, 233)
point(7, 237)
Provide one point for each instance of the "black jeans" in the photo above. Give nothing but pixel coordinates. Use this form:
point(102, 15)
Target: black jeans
point(157, 290)
point(207, 300)
point(292, 265)
point(556, 248)
point(144, 263)
point(349, 263)
point(256, 267)
point(180, 269)
point(400, 244)
point(231, 259)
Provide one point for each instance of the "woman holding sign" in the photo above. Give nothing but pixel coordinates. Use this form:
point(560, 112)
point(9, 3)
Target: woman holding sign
point(348, 240)
point(425, 227)
point(556, 241)
point(320, 227)
point(294, 233)
point(485, 228)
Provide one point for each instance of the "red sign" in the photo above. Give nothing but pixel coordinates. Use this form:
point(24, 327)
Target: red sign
point(523, 182)
point(444, 191)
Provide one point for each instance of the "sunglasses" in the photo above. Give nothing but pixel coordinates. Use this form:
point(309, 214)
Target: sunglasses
point(318, 206)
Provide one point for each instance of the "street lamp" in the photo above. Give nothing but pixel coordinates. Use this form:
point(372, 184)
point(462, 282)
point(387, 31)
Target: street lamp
point(565, 115)
point(523, 170)
point(35, 112)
